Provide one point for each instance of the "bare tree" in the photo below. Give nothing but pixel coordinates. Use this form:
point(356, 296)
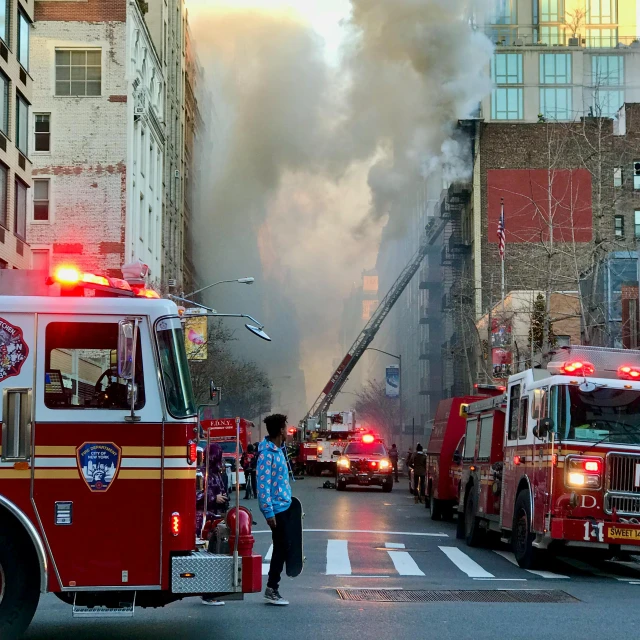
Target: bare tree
point(375, 407)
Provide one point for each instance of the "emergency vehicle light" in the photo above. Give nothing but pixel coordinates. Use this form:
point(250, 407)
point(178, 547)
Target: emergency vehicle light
point(368, 438)
point(192, 451)
point(583, 472)
point(147, 293)
point(175, 523)
point(344, 463)
point(628, 373)
point(384, 464)
point(578, 368)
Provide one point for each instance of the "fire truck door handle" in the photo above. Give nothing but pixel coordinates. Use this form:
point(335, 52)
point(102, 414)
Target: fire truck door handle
point(16, 424)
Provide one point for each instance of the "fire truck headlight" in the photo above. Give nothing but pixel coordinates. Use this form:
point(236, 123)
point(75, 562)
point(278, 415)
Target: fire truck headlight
point(344, 463)
point(576, 479)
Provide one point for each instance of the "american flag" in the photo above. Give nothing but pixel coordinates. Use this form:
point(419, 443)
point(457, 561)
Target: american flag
point(501, 235)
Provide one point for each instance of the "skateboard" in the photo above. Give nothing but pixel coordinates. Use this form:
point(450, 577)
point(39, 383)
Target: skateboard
point(295, 555)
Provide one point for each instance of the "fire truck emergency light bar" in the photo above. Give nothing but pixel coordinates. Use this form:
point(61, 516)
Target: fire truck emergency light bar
point(74, 283)
point(597, 362)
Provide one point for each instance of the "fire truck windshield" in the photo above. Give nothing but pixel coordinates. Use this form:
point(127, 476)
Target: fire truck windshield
point(604, 414)
point(175, 369)
point(364, 449)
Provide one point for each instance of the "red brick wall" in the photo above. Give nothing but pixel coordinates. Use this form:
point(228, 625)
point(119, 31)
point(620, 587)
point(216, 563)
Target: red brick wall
point(88, 11)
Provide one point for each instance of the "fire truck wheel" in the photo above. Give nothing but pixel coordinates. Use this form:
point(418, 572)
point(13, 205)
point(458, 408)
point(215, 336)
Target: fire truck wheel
point(19, 585)
point(521, 536)
point(472, 531)
point(435, 506)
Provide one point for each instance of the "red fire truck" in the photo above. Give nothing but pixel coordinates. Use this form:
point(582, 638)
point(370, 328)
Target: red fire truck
point(98, 453)
point(555, 461)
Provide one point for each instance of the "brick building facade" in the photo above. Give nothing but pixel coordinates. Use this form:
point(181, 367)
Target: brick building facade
point(99, 94)
point(15, 145)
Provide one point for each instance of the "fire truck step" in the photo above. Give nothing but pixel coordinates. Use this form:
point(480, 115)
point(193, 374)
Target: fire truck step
point(126, 610)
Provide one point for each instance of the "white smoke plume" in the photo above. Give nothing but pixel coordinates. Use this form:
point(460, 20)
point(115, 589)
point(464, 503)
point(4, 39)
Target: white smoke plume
point(306, 160)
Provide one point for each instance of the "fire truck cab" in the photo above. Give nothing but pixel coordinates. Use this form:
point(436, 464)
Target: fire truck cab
point(556, 460)
point(98, 452)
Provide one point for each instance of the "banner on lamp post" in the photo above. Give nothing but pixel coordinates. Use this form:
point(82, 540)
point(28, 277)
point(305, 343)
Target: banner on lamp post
point(393, 381)
point(195, 337)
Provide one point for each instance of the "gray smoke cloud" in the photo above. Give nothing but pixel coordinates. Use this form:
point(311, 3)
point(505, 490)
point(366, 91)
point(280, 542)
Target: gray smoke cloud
point(305, 160)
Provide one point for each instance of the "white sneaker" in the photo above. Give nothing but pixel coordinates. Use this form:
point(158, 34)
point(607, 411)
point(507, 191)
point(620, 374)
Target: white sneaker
point(272, 596)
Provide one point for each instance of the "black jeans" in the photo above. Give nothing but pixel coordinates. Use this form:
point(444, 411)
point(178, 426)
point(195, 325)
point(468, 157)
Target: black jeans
point(281, 544)
point(394, 464)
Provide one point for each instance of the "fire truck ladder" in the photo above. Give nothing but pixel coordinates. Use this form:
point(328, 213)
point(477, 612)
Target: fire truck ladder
point(365, 338)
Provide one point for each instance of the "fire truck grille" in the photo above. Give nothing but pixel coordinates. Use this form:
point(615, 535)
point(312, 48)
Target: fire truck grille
point(622, 492)
point(543, 596)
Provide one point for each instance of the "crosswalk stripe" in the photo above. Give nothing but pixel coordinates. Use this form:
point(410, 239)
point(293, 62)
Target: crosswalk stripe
point(465, 563)
point(403, 562)
point(265, 569)
point(583, 566)
point(269, 553)
point(338, 563)
point(508, 555)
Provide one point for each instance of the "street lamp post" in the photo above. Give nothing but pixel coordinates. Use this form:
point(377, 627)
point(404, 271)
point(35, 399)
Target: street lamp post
point(240, 280)
point(399, 357)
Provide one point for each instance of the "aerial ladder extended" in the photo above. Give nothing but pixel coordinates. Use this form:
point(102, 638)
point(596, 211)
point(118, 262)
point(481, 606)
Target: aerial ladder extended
point(365, 338)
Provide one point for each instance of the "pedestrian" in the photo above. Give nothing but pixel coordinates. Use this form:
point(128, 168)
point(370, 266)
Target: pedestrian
point(217, 502)
point(407, 460)
point(393, 456)
point(252, 470)
point(246, 462)
point(274, 495)
point(419, 465)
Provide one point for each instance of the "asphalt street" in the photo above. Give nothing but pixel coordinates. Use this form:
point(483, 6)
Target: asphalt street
point(364, 539)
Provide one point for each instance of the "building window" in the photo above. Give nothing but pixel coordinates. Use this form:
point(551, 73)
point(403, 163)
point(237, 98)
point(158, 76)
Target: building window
point(607, 71)
point(636, 175)
point(24, 26)
point(636, 220)
point(602, 38)
point(5, 22)
point(552, 36)
point(78, 72)
point(551, 11)
point(40, 259)
point(143, 152)
point(22, 124)
point(4, 104)
point(555, 68)
point(4, 183)
point(506, 68)
point(617, 176)
point(507, 104)
point(4, 264)
point(43, 132)
point(20, 222)
point(41, 199)
point(606, 102)
point(505, 12)
point(619, 226)
point(601, 12)
point(555, 103)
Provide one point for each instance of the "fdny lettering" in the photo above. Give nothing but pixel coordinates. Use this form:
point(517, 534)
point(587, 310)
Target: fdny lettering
point(99, 463)
point(588, 502)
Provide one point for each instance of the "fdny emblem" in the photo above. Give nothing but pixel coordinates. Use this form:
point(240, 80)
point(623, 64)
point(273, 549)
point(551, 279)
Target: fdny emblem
point(99, 463)
point(13, 350)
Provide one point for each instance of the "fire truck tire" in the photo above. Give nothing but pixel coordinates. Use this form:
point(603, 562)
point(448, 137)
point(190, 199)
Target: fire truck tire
point(436, 508)
point(473, 533)
point(521, 535)
point(19, 584)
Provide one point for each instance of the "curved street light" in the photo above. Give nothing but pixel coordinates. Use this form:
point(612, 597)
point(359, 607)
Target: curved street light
point(240, 280)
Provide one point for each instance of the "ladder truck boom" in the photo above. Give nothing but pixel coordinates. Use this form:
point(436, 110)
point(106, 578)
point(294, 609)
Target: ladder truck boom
point(365, 338)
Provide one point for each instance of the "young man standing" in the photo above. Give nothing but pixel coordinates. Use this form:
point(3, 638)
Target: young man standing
point(274, 496)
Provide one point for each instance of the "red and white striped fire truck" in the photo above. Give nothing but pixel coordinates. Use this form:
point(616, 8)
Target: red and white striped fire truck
point(98, 453)
point(555, 461)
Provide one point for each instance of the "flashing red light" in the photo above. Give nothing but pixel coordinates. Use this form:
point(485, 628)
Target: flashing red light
point(192, 451)
point(373, 464)
point(176, 522)
point(592, 465)
point(147, 293)
point(368, 438)
point(292, 431)
point(578, 368)
point(627, 372)
point(517, 460)
point(67, 275)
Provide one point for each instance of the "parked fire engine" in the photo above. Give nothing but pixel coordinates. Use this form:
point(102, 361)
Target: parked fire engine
point(335, 432)
point(98, 453)
point(555, 461)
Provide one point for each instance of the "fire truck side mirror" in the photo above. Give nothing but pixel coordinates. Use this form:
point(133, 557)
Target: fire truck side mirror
point(543, 428)
point(125, 349)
